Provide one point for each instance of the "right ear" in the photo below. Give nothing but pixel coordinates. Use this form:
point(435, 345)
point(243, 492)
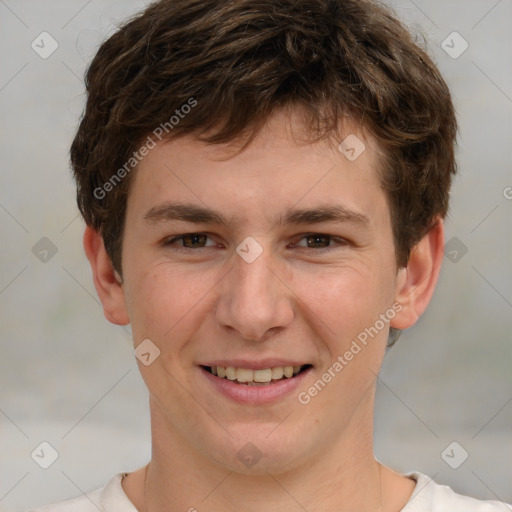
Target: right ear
point(106, 280)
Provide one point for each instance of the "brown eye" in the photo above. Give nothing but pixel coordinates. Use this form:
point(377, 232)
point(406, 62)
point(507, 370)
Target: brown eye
point(318, 241)
point(193, 240)
point(189, 241)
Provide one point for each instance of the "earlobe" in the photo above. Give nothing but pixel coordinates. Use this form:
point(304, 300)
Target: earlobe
point(107, 281)
point(415, 284)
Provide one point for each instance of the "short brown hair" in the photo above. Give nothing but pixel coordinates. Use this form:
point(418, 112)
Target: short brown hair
point(240, 61)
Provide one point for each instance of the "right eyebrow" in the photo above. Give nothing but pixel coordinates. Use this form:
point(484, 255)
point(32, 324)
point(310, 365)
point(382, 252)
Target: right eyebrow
point(185, 212)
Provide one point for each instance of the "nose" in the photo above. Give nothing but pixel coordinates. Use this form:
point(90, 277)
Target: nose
point(254, 299)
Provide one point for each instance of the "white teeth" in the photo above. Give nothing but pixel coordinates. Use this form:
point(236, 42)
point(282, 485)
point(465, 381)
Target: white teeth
point(277, 373)
point(244, 375)
point(255, 377)
point(230, 373)
point(262, 375)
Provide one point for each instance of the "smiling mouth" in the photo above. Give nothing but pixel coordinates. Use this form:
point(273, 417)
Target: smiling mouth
point(263, 377)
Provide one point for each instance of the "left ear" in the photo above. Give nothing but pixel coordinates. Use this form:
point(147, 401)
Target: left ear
point(415, 284)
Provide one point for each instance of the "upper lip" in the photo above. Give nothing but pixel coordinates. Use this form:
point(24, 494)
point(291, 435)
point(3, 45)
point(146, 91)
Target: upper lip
point(253, 365)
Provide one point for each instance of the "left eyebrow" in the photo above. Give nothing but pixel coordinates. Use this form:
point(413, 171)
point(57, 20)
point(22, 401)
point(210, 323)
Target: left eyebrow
point(328, 213)
point(200, 215)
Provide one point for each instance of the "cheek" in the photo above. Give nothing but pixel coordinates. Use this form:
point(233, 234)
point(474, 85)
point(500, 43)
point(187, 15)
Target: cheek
point(345, 299)
point(166, 303)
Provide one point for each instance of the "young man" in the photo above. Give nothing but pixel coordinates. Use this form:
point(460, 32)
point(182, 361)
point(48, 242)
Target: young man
point(264, 184)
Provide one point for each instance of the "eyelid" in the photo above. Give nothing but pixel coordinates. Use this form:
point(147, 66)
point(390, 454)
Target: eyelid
point(341, 241)
point(176, 238)
point(170, 240)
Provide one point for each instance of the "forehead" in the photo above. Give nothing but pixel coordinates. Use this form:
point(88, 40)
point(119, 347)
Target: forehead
point(280, 168)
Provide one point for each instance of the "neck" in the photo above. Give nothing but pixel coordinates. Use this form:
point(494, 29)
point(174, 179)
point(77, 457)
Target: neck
point(342, 477)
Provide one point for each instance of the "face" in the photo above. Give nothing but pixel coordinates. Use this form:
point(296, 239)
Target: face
point(280, 256)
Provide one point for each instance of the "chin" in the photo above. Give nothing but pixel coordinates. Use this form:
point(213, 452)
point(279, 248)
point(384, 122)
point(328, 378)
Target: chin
point(260, 454)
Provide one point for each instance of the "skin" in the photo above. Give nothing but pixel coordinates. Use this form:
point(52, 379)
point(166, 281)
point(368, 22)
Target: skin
point(311, 302)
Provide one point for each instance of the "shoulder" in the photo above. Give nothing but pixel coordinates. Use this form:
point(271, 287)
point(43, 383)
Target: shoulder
point(110, 498)
point(428, 496)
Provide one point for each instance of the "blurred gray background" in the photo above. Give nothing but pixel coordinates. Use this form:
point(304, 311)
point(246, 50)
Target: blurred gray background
point(68, 377)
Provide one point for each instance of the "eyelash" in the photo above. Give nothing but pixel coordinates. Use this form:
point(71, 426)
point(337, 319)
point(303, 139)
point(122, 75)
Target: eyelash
point(172, 241)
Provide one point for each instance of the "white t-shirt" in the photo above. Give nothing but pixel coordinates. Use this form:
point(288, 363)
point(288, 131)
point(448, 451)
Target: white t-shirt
point(428, 496)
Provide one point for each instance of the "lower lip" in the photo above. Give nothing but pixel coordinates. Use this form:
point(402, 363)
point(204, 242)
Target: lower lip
point(256, 395)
